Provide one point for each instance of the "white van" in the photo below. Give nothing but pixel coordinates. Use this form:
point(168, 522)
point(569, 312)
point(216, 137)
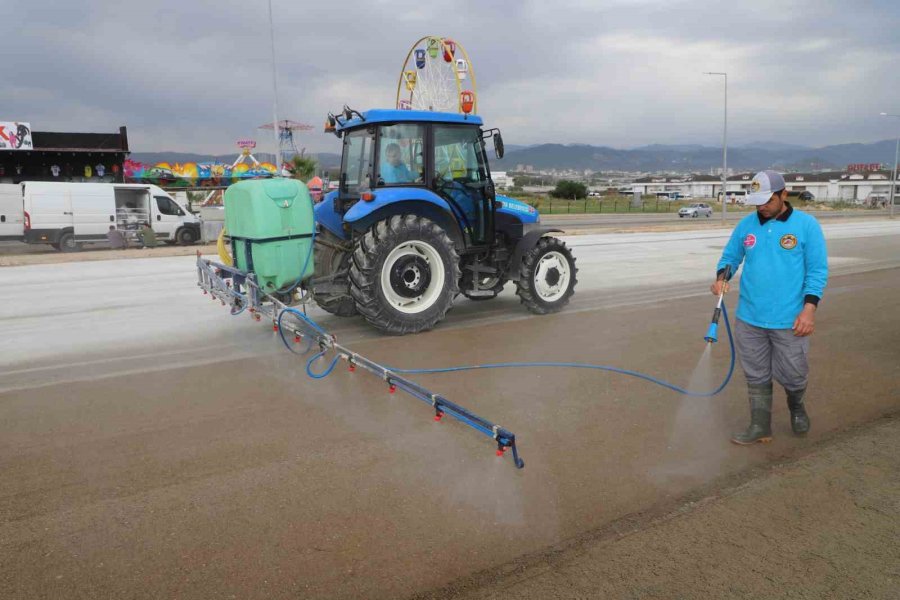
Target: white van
point(12, 218)
point(65, 215)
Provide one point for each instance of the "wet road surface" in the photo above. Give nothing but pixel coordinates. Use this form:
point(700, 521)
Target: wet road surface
point(151, 445)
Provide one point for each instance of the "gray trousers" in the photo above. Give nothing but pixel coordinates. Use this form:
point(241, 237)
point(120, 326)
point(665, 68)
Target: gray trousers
point(768, 353)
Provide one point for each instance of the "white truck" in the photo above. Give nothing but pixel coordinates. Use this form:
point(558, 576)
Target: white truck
point(65, 215)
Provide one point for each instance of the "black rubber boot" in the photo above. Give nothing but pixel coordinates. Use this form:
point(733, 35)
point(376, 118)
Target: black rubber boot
point(760, 429)
point(799, 418)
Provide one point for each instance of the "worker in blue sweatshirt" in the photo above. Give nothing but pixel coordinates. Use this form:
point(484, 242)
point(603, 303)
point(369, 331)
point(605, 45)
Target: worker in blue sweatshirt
point(785, 272)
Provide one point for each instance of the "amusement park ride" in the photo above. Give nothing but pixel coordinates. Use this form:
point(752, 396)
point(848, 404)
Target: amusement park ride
point(286, 146)
point(437, 75)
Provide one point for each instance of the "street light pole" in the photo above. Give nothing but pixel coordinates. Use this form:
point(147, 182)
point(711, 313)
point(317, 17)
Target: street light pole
point(274, 96)
point(894, 176)
point(724, 144)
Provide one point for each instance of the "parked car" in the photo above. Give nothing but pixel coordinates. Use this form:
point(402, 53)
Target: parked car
point(876, 199)
point(802, 195)
point(698, 209)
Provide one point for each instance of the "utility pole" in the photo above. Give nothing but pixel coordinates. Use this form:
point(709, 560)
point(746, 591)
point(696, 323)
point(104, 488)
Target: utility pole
point(275, 130)
point(724, 144)
point(894, 175)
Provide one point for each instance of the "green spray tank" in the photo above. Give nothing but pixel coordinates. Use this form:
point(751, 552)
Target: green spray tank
point(271, 224)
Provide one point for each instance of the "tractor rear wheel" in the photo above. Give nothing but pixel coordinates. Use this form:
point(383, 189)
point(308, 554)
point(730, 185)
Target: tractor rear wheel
point(404, 274)
point(330, 258)
point(548, 277)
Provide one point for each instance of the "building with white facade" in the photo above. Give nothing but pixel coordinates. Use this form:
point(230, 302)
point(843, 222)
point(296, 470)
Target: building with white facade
point(501, 180)
point(829, 186)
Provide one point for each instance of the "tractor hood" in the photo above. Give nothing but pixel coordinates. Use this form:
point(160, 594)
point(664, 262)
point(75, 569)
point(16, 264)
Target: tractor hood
point(518, 209)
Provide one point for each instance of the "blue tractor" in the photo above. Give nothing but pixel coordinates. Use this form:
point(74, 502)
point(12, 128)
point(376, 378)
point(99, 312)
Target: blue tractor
point(416, 221)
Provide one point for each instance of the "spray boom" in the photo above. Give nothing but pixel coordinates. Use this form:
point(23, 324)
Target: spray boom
point(711, 336)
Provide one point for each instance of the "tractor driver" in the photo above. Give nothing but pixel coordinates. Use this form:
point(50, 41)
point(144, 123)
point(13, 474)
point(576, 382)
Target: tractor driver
point(393, 169)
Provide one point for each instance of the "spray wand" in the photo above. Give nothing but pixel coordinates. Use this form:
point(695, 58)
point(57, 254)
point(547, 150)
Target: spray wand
point(711, 336)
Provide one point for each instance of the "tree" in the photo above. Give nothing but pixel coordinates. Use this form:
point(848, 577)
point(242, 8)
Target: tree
point(569, 190)
point(303, 167)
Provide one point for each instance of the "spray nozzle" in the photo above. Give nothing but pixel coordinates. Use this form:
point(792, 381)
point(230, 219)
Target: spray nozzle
point(712, 336)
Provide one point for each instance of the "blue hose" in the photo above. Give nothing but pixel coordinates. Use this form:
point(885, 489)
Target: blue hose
point(324, 373)
point(509, 365)
point(312, 245)
point(309, 344)
point(571, 365)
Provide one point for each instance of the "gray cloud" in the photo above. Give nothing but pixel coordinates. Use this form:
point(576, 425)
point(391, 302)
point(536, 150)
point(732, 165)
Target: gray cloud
point(195, 76)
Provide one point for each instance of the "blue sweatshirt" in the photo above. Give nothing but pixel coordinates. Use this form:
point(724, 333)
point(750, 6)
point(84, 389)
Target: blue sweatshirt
point(396, 174)
point(785, 266)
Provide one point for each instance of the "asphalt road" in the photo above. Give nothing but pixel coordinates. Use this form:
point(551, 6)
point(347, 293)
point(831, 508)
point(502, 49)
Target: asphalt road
point(578, 222)
point(153, 446)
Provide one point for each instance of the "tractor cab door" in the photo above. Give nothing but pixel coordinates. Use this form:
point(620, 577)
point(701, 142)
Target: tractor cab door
point(356, 165)
point(461, 177)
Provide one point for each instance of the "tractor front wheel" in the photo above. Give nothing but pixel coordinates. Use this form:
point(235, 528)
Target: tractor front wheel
point(404, 274)
point(548, 277)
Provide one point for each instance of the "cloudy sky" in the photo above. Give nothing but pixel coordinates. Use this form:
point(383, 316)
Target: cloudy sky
point(193, 75)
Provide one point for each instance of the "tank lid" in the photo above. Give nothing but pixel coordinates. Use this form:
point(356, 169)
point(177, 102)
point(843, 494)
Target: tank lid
point(281, 189)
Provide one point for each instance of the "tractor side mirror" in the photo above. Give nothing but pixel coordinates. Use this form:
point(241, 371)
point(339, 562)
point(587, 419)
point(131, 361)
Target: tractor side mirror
point(498, 145)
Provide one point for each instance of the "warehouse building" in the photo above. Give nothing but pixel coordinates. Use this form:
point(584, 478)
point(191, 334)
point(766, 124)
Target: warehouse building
point(848, 185)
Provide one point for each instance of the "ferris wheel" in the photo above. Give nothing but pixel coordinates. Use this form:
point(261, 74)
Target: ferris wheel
point(437, 75)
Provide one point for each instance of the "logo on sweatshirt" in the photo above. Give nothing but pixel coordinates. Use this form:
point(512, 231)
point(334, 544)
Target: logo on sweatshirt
point(789, 241)
point(749, 241)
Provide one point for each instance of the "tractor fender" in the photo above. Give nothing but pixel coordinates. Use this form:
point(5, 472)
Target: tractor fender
point(328, 218)
point(398, 201)
point(526, 243)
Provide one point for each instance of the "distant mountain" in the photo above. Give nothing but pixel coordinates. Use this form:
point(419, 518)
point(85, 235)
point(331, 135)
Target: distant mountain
point(773, 146)
point(652, 158)
point(671, 147)
point(326, 160)
point(683, 158)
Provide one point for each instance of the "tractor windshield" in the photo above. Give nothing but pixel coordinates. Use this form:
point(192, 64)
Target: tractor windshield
point(356, 164)
point(400, 158)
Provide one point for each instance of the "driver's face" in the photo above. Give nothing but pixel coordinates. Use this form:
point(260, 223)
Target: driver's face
point(393, 157)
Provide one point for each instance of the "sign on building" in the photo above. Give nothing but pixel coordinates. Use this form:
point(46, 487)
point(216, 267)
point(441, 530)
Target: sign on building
point(15, 136)
point(856, 167)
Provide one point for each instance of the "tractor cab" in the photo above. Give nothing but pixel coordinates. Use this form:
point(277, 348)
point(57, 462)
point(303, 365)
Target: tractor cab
point(394, 156)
